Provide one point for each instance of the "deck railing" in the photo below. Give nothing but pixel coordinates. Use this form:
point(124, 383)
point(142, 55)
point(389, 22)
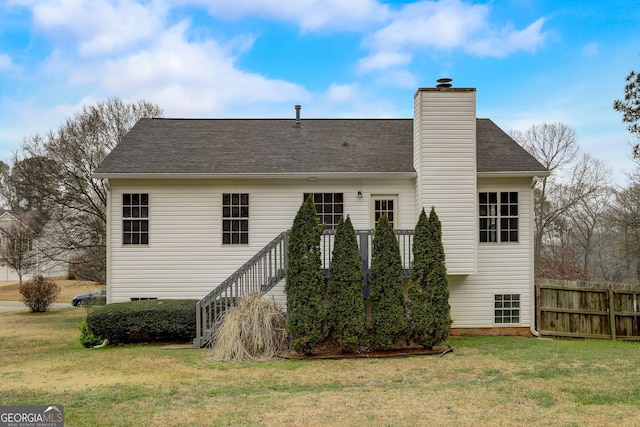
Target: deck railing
point(266, 268)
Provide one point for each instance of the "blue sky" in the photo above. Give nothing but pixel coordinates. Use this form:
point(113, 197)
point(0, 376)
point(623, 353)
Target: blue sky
point(532, 61)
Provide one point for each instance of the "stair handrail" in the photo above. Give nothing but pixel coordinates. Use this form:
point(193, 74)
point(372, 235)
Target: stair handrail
point(209, 309)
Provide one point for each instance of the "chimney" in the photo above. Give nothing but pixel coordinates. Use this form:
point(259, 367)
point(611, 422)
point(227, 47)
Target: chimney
point(298, 107)
point(444, 153)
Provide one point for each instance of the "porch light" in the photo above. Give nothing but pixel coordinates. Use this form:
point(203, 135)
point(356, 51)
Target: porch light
point(359, 194)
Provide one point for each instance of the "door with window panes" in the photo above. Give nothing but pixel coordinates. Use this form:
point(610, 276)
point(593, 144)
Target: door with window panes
point(384, 205)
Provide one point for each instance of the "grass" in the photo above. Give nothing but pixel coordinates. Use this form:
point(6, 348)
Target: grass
point(9, 291)
point(487, 381)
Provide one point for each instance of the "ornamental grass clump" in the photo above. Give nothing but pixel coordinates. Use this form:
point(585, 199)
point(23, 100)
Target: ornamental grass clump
point(254, 330)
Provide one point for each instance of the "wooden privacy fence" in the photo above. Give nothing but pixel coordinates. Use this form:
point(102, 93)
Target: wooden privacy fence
point(587, 310)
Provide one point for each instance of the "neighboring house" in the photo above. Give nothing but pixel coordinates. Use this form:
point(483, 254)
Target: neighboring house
point(18, 242)
point(191, 200)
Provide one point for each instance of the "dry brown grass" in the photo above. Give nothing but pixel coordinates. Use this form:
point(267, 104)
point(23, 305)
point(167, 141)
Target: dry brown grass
point(254, 330)
point(9, 291)
point(490, 381)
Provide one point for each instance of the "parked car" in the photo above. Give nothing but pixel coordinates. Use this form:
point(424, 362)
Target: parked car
point(99, 296)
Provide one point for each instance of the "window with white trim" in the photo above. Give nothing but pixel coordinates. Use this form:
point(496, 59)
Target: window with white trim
point(135, 219)
point(329, 206)
point(507, 308)
point(499, 220)
point(235, 219)
point(384, 206)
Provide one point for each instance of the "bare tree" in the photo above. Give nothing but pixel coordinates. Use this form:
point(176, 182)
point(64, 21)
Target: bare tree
point(625, 218)
point(585, 218)
point(61, 164)
point(554, 145)
point(5, 172)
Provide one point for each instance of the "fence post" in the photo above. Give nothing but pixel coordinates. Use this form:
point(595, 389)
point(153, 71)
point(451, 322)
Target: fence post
point(612, 315)
point(538, 319)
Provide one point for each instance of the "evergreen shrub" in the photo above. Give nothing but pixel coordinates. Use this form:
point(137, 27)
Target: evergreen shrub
point(345, 314)
point(145, 321)
point(387, 295)
point(305, 281)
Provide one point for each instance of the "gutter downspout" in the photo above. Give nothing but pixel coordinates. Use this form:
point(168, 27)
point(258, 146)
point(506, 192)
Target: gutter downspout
point(107, 185)
point(532, 325)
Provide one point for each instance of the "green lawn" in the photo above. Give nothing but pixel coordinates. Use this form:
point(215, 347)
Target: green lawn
point(484, 381)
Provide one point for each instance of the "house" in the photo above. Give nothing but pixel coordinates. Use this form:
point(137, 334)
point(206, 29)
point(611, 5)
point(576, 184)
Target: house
point(19, 249)
point(192, 201)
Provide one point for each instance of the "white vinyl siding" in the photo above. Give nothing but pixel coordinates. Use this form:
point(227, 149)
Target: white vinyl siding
point(186, 258)
point(502, 269)
point(445, 160)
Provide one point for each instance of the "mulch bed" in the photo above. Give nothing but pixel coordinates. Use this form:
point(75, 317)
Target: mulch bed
point(332, 352)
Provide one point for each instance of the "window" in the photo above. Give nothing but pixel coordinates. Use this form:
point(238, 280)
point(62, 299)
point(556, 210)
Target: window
point(384, 206)
point(20, 244)
point(498, 217)
point(507, 308)
point(235, 219)
point(135, 219)
point(329, 207)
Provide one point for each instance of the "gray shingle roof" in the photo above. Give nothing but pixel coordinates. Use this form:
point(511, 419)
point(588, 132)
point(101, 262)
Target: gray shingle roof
point(263, 146)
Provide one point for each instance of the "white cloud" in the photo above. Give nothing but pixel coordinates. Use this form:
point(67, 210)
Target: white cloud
point(6, 63)
point(381, 60)
point(193, 79)
point(309, 15)
point(448, 25)
point(444, 24)
point(98, 27)
point(342, 93)
point(128, 50)
point(507, 41)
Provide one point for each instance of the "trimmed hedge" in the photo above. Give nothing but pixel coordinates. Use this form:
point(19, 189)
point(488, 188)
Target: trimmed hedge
point(145, 321)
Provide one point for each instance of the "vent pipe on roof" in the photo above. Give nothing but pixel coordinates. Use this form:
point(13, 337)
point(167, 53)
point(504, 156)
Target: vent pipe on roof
point(298, 107)
point(444, 83)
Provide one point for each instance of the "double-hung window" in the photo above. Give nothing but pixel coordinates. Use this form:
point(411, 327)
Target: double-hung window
point(498, 216)
point(329, 206)
point(235, 218)
point(135, 219)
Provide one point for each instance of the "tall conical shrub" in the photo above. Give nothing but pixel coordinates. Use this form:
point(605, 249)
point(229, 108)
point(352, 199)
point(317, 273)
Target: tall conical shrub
point(438, 288)
point(345, 315)
point(305, 280)
point(387, 300)
point(419, 315)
